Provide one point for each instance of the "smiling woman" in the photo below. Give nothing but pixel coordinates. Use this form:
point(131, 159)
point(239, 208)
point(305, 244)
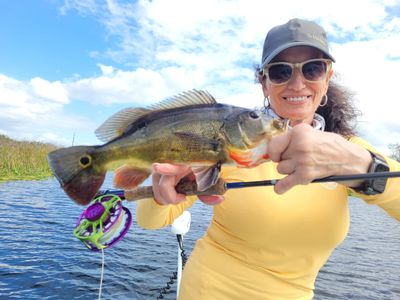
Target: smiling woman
point(275, 240)
point(23, 160)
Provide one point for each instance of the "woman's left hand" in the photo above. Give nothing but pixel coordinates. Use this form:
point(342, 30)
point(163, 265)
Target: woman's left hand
point(305, 154)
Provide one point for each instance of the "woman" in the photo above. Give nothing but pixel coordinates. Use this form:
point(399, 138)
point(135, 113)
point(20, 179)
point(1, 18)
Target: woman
point(270, 242)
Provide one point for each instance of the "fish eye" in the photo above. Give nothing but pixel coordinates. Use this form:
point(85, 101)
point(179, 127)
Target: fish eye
point(85, 161)
point(254, 114)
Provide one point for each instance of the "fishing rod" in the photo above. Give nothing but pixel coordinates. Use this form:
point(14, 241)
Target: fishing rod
point(106, 220)
point(190, 188)
point(338, 178)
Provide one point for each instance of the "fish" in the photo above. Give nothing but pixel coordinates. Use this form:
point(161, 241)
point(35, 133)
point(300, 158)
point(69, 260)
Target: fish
point(189, 128)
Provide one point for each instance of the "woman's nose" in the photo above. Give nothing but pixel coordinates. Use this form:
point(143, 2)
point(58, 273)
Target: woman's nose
point(297, 81)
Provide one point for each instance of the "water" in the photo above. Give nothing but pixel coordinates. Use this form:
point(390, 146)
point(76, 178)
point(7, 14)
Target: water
point(41, 259)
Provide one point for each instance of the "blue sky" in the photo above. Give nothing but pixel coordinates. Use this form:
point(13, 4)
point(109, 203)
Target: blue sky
point(66, 66)
point(38, 41)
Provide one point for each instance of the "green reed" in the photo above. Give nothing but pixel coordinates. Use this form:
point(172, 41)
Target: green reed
point(23, 159)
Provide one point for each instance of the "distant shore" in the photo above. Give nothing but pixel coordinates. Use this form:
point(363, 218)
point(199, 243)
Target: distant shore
point(23, 160)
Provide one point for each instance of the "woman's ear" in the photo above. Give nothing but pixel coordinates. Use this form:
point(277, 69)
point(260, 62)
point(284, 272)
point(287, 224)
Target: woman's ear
point(327, 79)
point(265, 88)
point(329, 75)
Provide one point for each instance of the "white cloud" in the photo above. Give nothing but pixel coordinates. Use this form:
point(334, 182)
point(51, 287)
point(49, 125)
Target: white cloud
point(53, 91)
point(175, 45)
point(82, 6)
point(106, 70)
point(33, 110)
point(141, 86)
point(367, 68)
point(30, 99)
point(50, 137)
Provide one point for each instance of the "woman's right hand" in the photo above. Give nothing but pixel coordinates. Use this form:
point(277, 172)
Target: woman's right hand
point(166, 177)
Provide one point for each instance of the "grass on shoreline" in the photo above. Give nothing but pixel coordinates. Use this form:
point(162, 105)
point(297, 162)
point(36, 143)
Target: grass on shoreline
point(23, 160)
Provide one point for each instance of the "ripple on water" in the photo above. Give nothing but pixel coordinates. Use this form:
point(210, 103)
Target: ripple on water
point(41, 259)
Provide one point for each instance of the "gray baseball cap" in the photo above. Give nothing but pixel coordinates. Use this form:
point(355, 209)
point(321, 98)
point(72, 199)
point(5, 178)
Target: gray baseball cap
point(296, 32)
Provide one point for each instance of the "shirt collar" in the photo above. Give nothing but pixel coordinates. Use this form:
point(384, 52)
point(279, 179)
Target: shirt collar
point(318, 121)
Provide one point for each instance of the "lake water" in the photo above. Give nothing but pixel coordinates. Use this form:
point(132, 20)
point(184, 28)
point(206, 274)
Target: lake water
point(41, 259)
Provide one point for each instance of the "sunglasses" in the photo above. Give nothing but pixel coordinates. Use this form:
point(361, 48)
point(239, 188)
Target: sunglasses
point(312, 70)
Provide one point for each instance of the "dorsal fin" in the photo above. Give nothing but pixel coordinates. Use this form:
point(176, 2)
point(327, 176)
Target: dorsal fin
point(187, 98)
point(117, 123)
point(115, 126)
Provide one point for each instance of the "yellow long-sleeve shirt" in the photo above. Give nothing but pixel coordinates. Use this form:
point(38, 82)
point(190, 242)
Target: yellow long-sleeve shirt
point(261, 245)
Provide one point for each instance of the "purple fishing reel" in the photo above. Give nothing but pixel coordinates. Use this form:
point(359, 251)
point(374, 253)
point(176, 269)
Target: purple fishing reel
point(104, 223)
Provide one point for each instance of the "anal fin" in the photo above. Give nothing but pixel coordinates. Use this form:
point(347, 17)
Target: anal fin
point(206, 177)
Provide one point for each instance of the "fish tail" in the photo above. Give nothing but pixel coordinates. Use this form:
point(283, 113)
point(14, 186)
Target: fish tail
point(77, 173)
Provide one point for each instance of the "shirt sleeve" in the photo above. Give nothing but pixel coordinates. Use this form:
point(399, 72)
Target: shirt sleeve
point(389, 200)
point(151, 215)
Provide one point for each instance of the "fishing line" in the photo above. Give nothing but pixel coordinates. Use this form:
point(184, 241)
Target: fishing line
point(102, 273)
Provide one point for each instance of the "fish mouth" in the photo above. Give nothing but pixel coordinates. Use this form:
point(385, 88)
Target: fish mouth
point(279, 124)
point(271, 126)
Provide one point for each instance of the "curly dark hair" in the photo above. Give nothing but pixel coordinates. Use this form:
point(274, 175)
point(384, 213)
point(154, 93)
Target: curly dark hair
point(340, 112)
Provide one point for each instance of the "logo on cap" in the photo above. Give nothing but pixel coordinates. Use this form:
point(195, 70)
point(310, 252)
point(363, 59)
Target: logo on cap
point(318, 38)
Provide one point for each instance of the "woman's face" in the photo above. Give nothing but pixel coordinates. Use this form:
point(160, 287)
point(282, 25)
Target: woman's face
point(297, 99)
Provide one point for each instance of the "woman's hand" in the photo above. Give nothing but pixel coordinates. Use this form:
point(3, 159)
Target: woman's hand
point(166, 177)
point(305, 154)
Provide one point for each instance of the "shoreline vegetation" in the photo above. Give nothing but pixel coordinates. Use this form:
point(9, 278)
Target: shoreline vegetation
point(23, 160)
point(27, 160)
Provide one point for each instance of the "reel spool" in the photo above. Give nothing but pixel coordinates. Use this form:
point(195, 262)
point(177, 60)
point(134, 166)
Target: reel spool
point(104, 223)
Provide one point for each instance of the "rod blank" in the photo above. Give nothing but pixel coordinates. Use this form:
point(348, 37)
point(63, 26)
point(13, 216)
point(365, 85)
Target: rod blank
point(238, 185)
point(190, 187)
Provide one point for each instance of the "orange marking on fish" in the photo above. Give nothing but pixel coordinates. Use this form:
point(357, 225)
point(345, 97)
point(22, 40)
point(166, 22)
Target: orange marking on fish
point(241, 158)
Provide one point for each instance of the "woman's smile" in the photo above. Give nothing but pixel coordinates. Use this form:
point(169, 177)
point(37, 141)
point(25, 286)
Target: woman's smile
point(297, 99)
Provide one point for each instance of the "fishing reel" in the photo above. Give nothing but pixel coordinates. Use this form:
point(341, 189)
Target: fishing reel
point(104, 223)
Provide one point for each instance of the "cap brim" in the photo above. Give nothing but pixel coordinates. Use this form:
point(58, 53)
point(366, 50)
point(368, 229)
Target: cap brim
point(293, 44)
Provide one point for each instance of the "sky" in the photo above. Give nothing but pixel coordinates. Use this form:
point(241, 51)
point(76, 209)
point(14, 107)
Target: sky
point(67, 66)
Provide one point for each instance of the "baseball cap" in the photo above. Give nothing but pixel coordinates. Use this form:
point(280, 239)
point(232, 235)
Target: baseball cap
point(296, 32)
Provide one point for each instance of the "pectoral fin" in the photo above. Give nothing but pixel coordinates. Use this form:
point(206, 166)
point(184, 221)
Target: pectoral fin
point(206, 177)
point(127, 177)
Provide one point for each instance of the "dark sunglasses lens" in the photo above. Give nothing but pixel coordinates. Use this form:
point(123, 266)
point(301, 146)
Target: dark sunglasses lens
point(279, 73)
point(314, 70)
